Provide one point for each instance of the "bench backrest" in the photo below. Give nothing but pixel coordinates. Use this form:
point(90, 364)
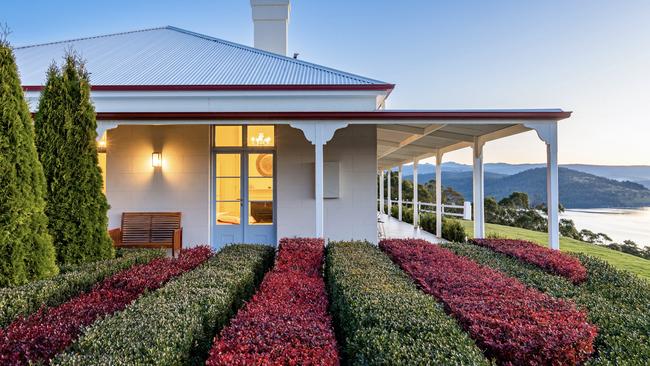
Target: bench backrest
point(149, 227)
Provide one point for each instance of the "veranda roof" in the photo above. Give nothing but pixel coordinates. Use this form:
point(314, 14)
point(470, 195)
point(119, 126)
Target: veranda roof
point(173, 56)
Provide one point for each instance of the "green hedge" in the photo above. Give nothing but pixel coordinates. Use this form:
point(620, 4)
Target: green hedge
point(27, 299)
point(452, 229)
point(176, 324)
point(616, 301)
point(382, 318)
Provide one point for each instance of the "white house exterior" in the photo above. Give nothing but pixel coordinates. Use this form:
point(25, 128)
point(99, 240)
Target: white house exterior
point(254, 145)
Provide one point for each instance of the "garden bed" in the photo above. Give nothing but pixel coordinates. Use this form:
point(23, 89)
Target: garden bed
point(511, 322)
point(27, 299)
point(618, 302)
point(176, 324)
point(383, 319)
point(50, 330)
point(552, 261)
point(287, 321)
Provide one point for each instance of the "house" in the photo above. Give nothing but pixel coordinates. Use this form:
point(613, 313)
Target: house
point(251, 145)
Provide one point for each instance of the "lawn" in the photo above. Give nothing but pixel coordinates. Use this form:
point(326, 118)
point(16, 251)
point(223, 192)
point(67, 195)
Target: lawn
point(620, 260)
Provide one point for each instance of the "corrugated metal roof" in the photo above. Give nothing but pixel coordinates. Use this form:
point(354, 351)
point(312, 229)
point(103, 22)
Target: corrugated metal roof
point(174, 56)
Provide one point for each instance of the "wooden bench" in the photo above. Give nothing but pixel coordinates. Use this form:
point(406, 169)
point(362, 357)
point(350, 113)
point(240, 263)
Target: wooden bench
point(149, 230)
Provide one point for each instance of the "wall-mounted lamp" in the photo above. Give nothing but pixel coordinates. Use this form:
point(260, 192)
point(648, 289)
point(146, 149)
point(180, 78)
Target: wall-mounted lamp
point(101, 144)
point(156, 159)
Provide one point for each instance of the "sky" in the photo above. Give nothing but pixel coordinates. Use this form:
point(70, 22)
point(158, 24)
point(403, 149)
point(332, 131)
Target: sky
point(591, 57)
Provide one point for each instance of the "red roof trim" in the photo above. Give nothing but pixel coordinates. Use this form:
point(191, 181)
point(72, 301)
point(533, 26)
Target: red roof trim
point(385, 87)
point(378, 115)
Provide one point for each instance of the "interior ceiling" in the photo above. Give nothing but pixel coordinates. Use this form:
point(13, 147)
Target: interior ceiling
point(401, 143)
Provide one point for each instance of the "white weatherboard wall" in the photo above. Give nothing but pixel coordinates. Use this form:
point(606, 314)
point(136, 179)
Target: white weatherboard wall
point(182, 184)
point(351, 216)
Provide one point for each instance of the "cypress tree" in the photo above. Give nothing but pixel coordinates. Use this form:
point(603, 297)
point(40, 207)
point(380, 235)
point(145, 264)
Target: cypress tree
point(26, 251)
point(66, 140)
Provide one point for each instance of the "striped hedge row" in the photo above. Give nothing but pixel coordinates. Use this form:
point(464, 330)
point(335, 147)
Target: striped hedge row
point(552, 261)
point(42, 335)
point(175, 324)
point(383, 319)
point(286, 322)
point(27, 299)
point(617, 302)
point(515, 324)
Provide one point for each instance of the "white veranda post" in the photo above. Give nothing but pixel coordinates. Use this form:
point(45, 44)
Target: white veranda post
point(381, 191)
point(547, 132)
point(399, 193)
point(439, 194)
point(319, 133)
point(416, 208)
point(478, 191)
point(390, 202)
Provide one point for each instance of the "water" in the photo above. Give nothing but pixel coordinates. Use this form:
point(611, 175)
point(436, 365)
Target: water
point(619, 223)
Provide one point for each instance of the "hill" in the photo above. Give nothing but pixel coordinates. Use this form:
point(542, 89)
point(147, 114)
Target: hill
point(577, 189)
point(635, 173)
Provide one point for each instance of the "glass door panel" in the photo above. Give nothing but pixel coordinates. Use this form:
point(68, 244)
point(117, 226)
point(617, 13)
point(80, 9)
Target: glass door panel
point(228, 188)
point(260, 188)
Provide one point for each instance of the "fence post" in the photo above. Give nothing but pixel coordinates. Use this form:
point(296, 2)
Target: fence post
point(467, 210)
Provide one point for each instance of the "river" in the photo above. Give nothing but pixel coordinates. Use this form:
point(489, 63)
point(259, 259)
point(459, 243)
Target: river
point(619, 223)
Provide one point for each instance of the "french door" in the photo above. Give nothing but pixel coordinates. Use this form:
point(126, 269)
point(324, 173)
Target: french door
point(243, 192)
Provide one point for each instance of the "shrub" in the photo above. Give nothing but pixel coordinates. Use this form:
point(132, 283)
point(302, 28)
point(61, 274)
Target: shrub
point(175, 324)
point(27, 299)
point(513, 323)
point(617, 301)
point(383, 319)
point(65, 137)
point(49, 331)
point(453, 230)
point(287, 321)
point(26, 250)
point(550, 260)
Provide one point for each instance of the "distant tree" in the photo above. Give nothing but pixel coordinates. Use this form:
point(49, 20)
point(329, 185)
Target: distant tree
point(568, 229)
point(26, 251)
point(517, 200)
point(66, 135)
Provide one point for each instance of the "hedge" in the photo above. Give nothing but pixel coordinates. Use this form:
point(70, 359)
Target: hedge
point(617, 301)
point(552, 261)
point(27, 299)
point(513, 323)
point(286, 322)
point(39, 337)
point(383, 319)
point(175, 324)
point(452, 229)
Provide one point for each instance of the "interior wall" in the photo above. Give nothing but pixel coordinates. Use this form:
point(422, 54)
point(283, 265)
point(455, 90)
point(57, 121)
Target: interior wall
point(351, 216)
point(181, 184)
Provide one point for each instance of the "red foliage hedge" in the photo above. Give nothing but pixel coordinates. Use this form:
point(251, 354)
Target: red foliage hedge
point(286, 322)
point(42, 335)
point(550, 260)
point(513, 323)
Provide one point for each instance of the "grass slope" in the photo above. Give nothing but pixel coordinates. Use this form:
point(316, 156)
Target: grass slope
point(619, 260)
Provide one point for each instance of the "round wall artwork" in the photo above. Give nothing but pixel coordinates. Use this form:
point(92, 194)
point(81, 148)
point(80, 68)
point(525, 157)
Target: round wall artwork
point(264, 165)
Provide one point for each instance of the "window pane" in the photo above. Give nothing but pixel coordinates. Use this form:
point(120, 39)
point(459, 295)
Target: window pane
point(228, 165)
point(260, 189)
point(225, 136)
point(228, 189)
point(260, 213)
point(261, 136)
point(260, 165)
point(228, 213)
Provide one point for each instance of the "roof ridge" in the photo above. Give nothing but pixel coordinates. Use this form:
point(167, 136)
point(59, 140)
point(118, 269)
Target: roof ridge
point(276, 56)
point(92, 37)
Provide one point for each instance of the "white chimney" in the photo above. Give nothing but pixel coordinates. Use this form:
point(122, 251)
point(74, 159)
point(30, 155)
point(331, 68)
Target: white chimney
point(271, 21)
